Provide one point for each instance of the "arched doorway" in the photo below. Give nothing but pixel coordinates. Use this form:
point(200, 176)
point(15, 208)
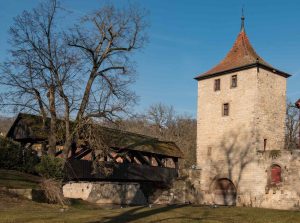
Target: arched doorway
point(224, 192)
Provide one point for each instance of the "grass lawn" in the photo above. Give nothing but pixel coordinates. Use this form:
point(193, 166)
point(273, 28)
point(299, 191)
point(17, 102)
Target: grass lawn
point(15, 179)
point(15, 209)
point(26, 211)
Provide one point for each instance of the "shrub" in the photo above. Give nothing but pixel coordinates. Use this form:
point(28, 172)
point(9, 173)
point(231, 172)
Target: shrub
point(50, 167)
point(30, 160)
point(10, 155)
point(14, 157)
point(53, 191)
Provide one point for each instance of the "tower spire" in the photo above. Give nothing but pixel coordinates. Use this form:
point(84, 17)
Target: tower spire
point(243, 21)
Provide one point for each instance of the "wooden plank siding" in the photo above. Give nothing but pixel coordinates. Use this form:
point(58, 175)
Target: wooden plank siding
point(76, 170)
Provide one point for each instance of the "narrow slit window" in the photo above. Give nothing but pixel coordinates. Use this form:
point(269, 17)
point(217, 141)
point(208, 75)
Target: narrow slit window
point(226, 109)
point(265, 144)
point(217, 85)
point(209, 151)
point(234, 81)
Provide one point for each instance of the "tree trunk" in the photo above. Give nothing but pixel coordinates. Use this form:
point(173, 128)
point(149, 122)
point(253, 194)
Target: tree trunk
point(69, 138)
point(86, 95)
point(52, 133)
point(68, 134)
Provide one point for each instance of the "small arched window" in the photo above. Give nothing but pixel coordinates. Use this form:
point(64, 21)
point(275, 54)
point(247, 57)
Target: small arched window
point(275, 174)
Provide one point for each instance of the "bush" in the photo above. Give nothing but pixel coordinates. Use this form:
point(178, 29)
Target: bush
point(14, 157)
point(53, 191)
point(50, 167)
point(30, 160)
point(10, 155)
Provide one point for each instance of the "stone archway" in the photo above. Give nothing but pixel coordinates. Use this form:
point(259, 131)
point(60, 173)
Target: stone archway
point(224, 192)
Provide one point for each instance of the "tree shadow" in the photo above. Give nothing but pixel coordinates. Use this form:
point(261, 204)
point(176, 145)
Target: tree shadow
point(187, 217)
point(235, 152)
point(136, 214)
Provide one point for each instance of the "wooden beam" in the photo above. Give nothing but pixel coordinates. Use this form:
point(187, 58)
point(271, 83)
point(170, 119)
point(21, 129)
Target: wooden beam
point(44, 148)
point(127, 158)
point(158, 160)
point(131, 157)
point(175, 160)
point(73, 149)
point(144, 160)
point(112, 157)
point(82, 153)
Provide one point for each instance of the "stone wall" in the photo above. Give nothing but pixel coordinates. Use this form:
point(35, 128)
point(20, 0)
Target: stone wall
point(182, 190)
point(226, 144)
point(36, 195)
point(285, 195)
point(255, 189)
point(179, 191)
point(270, 110)
point(237, 147)
point(212, 127)
point(106, 192)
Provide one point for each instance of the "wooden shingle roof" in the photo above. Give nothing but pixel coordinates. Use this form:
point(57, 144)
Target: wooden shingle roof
point(28, 128)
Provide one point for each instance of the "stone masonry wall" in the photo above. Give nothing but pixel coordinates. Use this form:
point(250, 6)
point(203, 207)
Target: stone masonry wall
point(270, 110)
point(231, 146)
point(106, 192)
point(219, 138)
point(285, 195)
point(182, 190)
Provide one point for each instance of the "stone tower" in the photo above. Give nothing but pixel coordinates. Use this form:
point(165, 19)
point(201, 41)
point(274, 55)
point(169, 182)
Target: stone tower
point(241, 113)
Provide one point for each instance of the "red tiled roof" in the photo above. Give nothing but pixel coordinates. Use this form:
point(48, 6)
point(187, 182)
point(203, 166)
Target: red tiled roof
point(242, 54)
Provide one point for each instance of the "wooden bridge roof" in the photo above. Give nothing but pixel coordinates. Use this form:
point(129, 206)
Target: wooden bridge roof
point(28, 128)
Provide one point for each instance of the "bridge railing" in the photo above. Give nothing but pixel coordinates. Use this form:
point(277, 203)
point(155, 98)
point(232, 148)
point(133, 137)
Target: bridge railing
point(83, 170)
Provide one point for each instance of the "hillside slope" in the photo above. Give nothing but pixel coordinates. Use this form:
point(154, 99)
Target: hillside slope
point(19, 180)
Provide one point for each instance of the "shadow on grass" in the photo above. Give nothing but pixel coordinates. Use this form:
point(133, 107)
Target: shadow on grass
point(134, 214)
point(184, 218)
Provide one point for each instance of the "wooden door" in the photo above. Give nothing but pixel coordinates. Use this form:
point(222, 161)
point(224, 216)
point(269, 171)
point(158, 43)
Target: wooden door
point(224, 192)
point(276, 174)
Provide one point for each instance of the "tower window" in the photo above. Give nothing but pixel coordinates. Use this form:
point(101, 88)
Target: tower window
point(226, 109)
point(234, 81)
point(217, 84)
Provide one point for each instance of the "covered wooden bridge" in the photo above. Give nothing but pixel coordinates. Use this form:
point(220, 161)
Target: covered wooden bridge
point(130, 157)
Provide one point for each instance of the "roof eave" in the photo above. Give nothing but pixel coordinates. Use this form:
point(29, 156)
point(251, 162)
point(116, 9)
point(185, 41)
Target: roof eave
point(245, 67)
point(9, 132)
point(275, 71)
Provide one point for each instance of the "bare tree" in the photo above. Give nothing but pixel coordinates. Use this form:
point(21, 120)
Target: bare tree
point(161, 116)
point(229, 161)
point(162, 122)
point(292, 126)
point(105, 40)
point(83, 72)
point(40, 68)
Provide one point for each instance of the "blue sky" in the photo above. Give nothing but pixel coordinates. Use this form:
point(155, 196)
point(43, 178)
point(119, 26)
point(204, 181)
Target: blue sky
point(189, 37)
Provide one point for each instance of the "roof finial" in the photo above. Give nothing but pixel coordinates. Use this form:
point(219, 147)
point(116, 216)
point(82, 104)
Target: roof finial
point(243, 20)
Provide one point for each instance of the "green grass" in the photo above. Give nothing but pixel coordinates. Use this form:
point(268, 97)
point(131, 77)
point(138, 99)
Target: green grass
point(34, 212)
point(15, 179)
point(15, 209)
